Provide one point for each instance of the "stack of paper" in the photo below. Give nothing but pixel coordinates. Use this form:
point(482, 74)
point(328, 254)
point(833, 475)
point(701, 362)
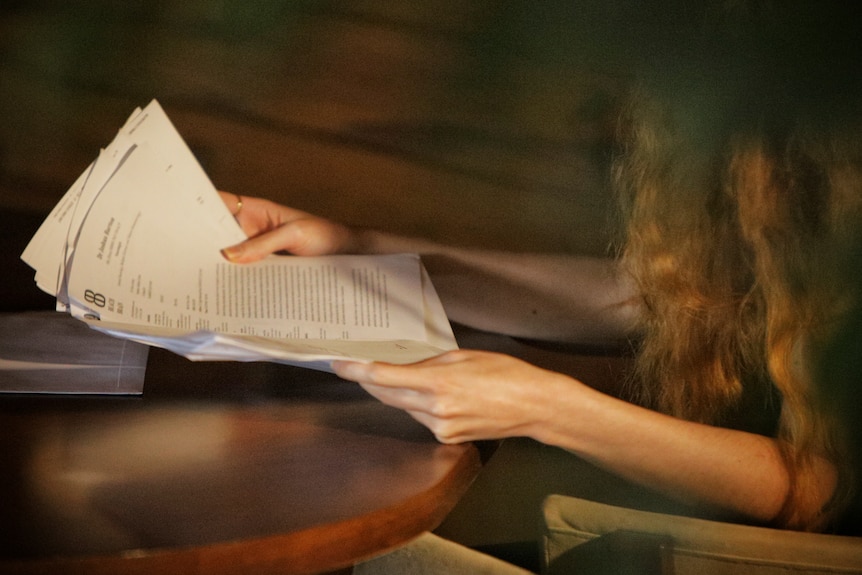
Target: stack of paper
point(134, 249)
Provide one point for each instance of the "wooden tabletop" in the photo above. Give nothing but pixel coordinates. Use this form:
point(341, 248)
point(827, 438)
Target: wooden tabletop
point(218, 468)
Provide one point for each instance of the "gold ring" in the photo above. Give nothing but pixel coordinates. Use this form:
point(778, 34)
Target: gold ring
point(238, 205)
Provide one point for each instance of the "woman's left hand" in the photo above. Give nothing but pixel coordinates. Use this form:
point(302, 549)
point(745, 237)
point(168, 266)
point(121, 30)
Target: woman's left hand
point(464, 395)
point(272, 227)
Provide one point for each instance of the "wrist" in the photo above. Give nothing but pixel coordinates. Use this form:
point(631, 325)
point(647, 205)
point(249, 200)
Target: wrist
point(569, 416)
point(370, 241)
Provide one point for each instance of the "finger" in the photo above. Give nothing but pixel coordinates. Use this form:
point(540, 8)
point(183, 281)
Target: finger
point(449, 357)
point(259, 247)
point(257, 215)
point(283, 238)
point(406, 399)
point(232, 201)
point(444, 431)
point(254, 204)
point(384, 374)
point(444, 358)
point(350, 370)
point(302, 237)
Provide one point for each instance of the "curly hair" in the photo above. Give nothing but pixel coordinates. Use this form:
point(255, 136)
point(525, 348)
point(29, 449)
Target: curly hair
point(741, 184)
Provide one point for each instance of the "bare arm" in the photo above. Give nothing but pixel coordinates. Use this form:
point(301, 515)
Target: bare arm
point(541, 296)
point(467, 395)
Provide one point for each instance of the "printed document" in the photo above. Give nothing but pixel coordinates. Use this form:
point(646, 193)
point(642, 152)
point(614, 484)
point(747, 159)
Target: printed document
point(134, 250)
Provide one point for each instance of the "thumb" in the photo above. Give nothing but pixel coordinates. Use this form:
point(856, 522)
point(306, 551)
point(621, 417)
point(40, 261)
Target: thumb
point(253, 249)
point(236, 254)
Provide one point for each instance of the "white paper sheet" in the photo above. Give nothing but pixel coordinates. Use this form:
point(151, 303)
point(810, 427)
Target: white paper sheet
point(133, 249)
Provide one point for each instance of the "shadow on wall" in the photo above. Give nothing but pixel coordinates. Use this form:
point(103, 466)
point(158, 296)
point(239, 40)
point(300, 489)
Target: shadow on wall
point(462, 121)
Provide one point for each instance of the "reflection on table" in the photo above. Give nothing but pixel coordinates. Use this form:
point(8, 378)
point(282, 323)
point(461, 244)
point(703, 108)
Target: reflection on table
point(218, 468)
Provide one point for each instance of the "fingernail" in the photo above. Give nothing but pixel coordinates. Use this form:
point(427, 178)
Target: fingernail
point(233, 253)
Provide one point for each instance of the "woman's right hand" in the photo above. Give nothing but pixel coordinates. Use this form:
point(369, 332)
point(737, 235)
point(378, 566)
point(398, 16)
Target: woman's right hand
point(272, 228)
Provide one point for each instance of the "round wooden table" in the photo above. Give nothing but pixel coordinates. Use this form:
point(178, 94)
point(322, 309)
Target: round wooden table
point(218, 468)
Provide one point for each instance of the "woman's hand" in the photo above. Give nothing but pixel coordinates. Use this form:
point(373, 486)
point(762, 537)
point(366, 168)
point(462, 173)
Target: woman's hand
point(465, 395)
point(272, 228)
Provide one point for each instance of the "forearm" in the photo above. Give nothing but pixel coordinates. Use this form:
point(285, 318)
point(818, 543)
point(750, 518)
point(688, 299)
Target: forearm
point(736, 472)
point(541, 296)
point(553, 297)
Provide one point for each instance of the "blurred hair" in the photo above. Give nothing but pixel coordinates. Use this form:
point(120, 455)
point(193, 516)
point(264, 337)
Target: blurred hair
point(741, 183)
